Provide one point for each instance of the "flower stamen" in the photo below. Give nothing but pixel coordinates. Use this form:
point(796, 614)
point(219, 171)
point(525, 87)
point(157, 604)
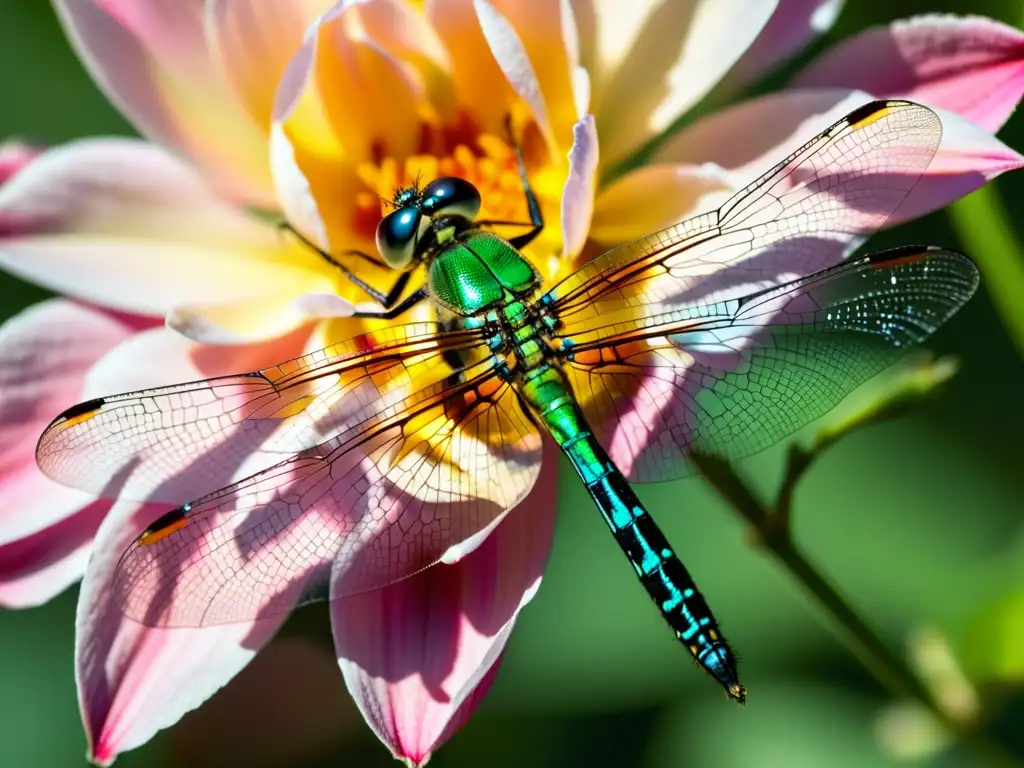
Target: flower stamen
point(490, 167)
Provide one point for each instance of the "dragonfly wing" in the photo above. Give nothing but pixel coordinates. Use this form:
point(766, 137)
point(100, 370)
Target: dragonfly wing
point(379, 501)
point(806, 213)
point(735, 377)
point(174, 443)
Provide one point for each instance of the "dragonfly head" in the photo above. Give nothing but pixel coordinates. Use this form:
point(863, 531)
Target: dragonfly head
point(450, 196)
point(400, 234)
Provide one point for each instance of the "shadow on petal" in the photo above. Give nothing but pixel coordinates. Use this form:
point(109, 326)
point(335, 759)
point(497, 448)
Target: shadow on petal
point(418, 654)
point(134, 680)
point(38, 567)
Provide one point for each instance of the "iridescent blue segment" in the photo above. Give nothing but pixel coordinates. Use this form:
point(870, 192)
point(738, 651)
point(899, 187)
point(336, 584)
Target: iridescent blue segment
point(662, 573)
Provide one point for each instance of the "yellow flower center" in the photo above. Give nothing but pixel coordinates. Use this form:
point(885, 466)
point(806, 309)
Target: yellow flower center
point(491, 169)
point(486, 161)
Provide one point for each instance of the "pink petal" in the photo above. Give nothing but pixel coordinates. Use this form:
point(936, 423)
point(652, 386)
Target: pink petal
point(653, 197)
point(752, 136)
point(252, 43)
point(32, 501)
point(969, 65)
point(15, 155)
point(159, 357)
point(45, 352)
point(40, 566)
point(657, 59)
point(125, 224)
point(169, 31)
point(46, 529)
point(793, 26)
point(152, 358)
point(417, 656)
point(151, 60)
point(968, 157)
point(514, 61)
point(578, 194)
point(134, 680)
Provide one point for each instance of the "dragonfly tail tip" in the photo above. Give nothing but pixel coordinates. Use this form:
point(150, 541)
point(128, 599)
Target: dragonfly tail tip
point(737, 693)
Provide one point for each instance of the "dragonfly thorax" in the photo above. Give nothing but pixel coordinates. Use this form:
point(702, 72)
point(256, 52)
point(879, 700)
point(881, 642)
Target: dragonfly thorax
point(477, 272)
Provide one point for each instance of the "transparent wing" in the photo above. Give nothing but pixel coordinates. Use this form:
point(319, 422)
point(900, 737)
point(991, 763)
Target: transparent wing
point(805, 214)
point(174, 443)
point(384, 498)
point(734, 377)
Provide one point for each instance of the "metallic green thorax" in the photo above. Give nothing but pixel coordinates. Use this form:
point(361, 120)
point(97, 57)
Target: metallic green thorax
point(482, 279)
point(476, 272)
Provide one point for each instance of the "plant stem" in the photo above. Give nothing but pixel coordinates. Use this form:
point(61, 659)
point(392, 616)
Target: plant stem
point(773, 531)
point(886, 667)
point(984, 227)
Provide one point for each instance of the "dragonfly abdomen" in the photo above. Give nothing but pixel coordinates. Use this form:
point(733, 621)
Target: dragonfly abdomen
point(662, 573)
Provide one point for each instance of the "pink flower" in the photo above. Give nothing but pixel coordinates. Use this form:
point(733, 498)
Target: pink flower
point(14, 155)
point(969, 69)
point(311, 108)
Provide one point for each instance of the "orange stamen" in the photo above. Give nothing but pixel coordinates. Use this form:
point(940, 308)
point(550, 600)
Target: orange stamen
point(482, 159)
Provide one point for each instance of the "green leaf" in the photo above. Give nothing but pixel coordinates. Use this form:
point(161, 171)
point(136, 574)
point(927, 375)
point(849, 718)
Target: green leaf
point(992, 647)
point(916, 379)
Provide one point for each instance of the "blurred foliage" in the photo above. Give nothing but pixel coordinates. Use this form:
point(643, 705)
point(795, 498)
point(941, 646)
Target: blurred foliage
point(918, 519)
point(891, 394)
point(993, 644)
point(984, 226)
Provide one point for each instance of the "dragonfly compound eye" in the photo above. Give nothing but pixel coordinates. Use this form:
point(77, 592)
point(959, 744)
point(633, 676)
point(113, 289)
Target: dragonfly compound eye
point(398, 233)
point(453, 196)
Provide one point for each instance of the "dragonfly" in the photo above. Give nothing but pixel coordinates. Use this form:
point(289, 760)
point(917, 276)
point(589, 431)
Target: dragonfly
point(358, 465)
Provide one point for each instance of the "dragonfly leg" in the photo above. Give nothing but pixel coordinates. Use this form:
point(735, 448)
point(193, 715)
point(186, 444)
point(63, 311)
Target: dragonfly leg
point(287, 227)
point(386, 300)
point(405, 305)
point(536, 215)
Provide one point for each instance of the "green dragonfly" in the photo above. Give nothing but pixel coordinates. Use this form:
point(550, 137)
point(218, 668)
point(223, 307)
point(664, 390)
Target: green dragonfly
point(353, 467)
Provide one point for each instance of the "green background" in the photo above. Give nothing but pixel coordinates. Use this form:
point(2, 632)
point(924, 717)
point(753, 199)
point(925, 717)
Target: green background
point(918, 520)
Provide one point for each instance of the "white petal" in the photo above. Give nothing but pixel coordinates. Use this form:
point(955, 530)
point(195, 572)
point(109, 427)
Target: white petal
point(658, 59)
point(578, 195)
point(125, 224)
